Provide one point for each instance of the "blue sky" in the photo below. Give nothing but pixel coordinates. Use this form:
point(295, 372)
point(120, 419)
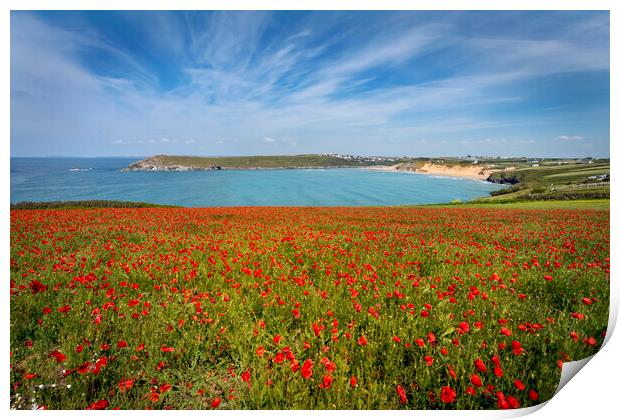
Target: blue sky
point(369, 83)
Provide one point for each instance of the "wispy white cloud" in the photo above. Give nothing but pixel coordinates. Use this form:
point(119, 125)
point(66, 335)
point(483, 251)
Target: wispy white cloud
point(569, 138)
point(226, 39)
point(392, 49)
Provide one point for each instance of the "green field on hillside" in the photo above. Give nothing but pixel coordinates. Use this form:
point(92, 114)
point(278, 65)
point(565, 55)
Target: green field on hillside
point(553, 182)
point(600, 204)
point(284, 161)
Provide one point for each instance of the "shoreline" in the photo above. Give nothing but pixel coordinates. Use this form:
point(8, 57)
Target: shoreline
point(470, 172)
point(433, 171)
point(163, 163)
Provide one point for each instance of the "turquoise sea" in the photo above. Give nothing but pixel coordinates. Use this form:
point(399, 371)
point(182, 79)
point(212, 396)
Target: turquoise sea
point(53, 179)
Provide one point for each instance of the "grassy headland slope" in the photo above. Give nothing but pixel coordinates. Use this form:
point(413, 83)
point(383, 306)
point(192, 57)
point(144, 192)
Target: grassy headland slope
point(551, 181)
point(164, 162)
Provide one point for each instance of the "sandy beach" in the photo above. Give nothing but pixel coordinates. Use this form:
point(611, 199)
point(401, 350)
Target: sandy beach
point(469, 171)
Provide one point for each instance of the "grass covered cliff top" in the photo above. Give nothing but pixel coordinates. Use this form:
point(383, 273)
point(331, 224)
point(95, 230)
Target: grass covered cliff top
point(276, 161)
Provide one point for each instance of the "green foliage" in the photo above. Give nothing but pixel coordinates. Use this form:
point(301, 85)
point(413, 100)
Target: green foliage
point(29, 205)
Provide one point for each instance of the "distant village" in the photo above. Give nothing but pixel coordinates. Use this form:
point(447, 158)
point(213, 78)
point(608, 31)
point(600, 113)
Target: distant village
point(469, 158)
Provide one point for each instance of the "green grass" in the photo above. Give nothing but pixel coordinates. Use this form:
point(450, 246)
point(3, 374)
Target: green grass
point(551, 182)
point(581, 172)
point(31, 205)
point(548, 174)
point(601, 204)
point(283, 161)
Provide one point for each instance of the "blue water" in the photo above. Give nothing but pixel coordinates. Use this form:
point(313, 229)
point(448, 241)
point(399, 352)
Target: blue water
point(54, 179)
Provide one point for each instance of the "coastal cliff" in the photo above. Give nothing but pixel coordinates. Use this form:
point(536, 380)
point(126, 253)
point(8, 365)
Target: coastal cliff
point(465, 171)
point(158, 163)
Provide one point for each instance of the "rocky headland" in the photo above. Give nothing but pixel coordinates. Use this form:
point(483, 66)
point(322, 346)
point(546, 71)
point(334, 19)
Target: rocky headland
point(157, 164)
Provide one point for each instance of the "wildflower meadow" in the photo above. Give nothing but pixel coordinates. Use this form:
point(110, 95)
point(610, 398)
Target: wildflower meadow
point(302, 308)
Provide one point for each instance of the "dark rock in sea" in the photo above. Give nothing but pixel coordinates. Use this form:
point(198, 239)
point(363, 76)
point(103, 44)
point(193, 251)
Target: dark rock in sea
point(503, 178)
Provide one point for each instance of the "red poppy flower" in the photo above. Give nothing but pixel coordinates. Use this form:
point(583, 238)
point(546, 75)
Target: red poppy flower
point(402, 394)
point(448, 395)
point(362, 341)
point(451, 372)
point(125, 385)
point(58, 356)
point(99, 405)
point(475, 380)
point(591, 341)
point(279, 357)
point(519, 385)
point(329, 365)
point(513, 402)
point(36, 286)
point(260, 351)
point(306, 369)
point(216, 402)
point(326, 383)
point(506, 331)
point(245, 376)
point(501, 401)
point(479, 364)
point(353, 381)
point(84, 368)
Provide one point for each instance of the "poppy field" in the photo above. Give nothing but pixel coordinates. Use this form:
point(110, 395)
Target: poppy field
point(302, 308)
